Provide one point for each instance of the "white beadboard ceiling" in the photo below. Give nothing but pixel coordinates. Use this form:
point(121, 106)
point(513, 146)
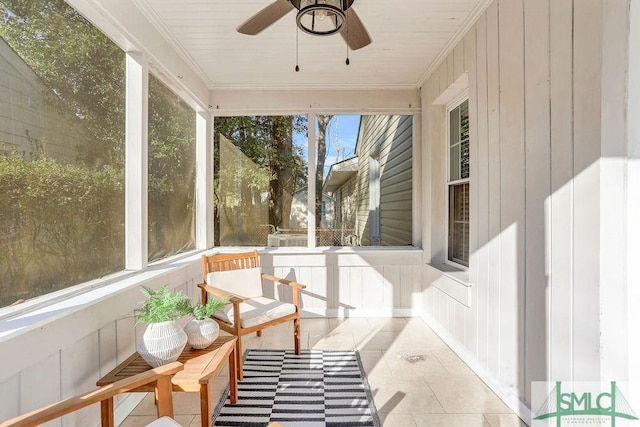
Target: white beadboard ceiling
point(409, 38)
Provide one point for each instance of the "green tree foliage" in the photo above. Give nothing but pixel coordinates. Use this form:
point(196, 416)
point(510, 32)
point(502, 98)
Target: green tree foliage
point(78, 63)
point(171, 172)
point(59, 225)
point(268, 142)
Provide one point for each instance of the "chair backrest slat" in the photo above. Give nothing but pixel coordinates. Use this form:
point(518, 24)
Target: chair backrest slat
point(226, 262)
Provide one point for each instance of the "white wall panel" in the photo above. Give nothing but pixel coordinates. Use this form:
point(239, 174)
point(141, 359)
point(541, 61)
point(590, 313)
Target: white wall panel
point(481, 164)
point(10, 397)
point(78, 374)
point(560, 330)
point(343, 293)
point(372, 288)
point(512, 189)
point(538, 189)
point(125, 337)
point(107, 353)
point(494, 285)
point(587, 63)
point(458, 59)
point(460, 313)
point(393, 294)
point(613, 231)
point(356, 279)
point(469, 42)
point(40, 384)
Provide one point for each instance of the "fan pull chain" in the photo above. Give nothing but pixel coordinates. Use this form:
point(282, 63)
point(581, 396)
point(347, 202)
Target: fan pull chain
point(297, 67)
point(347, 23)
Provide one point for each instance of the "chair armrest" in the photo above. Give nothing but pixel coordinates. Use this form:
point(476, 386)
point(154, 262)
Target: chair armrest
point(53, 411)
point(220, 293)
point(291, 283)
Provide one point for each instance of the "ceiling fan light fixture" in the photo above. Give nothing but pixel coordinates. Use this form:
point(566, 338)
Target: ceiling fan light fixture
point(320, 17)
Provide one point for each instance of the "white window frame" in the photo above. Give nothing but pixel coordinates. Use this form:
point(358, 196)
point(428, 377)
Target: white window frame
point(452, 105)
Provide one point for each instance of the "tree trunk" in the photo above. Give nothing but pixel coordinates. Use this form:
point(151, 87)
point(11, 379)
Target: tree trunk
point(281, 187)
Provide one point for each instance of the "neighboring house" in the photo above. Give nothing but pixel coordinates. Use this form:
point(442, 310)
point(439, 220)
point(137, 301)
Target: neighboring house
point(32, 121)
point(298, 216)
point(374, 189)
point(341, 184)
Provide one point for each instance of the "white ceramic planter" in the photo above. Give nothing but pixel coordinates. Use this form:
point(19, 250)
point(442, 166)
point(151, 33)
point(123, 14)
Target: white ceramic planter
point(201, 333)
point(161, 343)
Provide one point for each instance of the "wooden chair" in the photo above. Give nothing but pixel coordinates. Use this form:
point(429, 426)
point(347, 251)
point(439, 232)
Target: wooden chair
point(161, 376)
point(239, 276)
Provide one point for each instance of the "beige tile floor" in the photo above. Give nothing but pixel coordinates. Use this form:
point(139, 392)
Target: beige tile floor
point(438, 390)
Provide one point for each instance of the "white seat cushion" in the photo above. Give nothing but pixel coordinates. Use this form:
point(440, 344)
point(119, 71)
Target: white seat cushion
point(245, 282)
point(164, 422)
point(258, 310)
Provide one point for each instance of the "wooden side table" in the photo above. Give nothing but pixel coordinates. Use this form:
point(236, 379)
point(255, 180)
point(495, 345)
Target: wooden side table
point(200, 368)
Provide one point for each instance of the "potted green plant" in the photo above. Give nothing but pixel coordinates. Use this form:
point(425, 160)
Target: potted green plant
point(202, 330)
point(163, 340)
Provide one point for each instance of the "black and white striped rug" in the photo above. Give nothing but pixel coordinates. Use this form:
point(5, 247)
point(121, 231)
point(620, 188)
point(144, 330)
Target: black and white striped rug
point(316, 388)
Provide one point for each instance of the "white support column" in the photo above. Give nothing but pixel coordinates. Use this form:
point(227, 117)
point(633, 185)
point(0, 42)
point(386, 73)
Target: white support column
point(204, 180)
point(311, 190)
point(136, 167)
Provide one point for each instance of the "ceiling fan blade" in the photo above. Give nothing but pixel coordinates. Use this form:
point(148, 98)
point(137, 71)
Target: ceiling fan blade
point(265, 17)
point(354, 32)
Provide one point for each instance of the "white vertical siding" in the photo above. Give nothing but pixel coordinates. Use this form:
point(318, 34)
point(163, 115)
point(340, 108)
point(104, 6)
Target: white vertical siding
point(10, 398)
point(481, 179)
point(547, 86)
point(108, 344)
point(35, 393)
point(587, 63)
point(561, 201)
point(538, 189)
point(469, 46)
point(613, 144)
point(78, 373)
point(494, 280)
point(512, 191)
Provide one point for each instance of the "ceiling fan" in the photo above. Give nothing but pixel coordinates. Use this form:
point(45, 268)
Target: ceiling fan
point(316, 17)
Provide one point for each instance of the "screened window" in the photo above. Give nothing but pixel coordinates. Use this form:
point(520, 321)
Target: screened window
point(261, 181)
point(458, 182)
point(363, 180)
point(172, 172)
point(364, 175)
point(62, 100)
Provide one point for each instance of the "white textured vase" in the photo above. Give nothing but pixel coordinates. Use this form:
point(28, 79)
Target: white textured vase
point(161, 343)
point(201, 333)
